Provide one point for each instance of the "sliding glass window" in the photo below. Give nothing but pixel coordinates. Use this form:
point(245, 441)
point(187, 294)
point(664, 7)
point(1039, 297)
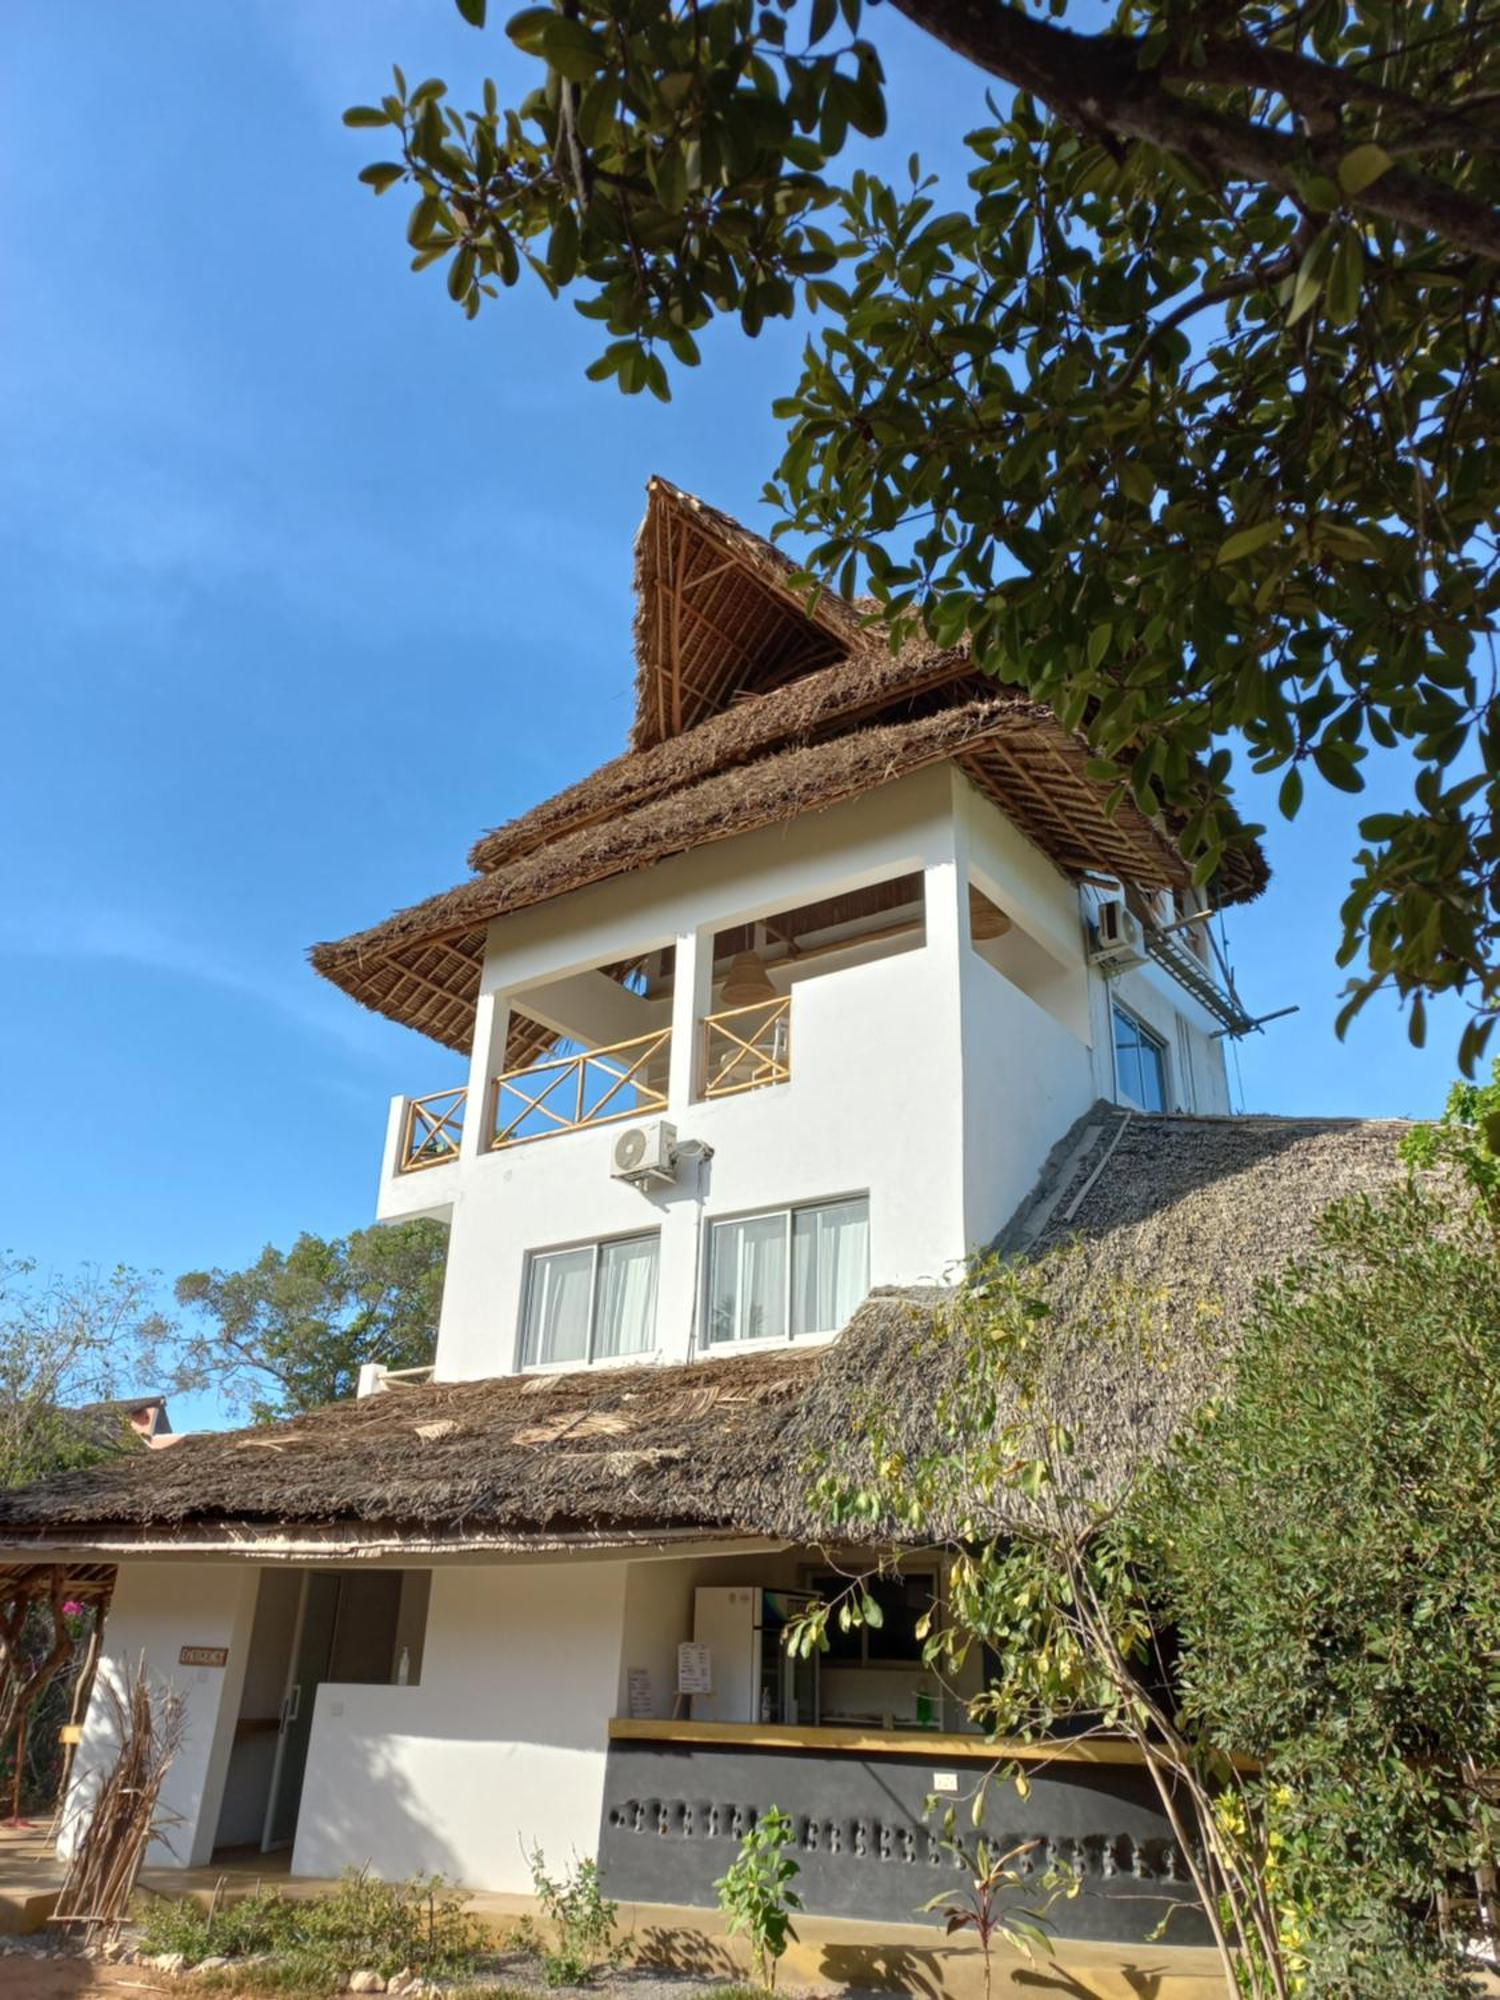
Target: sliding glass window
point(593, 1303)
point(791, 1271)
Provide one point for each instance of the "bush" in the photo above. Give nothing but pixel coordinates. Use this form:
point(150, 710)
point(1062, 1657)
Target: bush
point(582, 1919)
point(756, 1895)
point(317, 1941)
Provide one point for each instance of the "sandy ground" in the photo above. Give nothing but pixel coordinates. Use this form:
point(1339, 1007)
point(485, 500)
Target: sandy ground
point(26, 1978)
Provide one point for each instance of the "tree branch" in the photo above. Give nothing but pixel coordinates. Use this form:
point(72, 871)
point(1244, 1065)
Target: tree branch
point(1095, 83)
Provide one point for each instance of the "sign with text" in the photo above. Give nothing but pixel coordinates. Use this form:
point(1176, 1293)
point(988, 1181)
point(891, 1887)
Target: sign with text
point(695, 1668)
point(203, 1656)
point(640, 1701)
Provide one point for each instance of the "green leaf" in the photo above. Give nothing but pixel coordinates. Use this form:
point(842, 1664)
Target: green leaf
point(1245, 541)
point(527, 28)
point(1363, 167)
point(1310, 276)
point(1291, 793)
point(1346, 277)
point(365, 114)
point(384, 174)
point(472, 11)
point(1099, 640)
point(571, 50)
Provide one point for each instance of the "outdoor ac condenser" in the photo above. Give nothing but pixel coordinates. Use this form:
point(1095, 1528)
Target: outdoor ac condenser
point(1119, 942)
point(646, 1155)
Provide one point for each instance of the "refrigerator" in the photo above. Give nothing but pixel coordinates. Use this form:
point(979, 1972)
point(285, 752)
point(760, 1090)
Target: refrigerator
point(754, 1678)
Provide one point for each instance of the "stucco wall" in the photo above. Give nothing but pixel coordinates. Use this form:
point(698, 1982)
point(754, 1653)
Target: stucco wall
point(868, 1109)
point(158, 1608)
point(502, 1746)
point(926, 1079)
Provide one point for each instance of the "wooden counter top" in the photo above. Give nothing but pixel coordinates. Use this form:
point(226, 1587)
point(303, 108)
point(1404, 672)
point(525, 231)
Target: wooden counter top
point(940, 1747)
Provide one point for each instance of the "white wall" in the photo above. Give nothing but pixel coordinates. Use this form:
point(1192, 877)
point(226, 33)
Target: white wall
point(1026, 1078)
point(869, 1107)
point(157, 1609)
point(502, 1746)
point(926, 1079)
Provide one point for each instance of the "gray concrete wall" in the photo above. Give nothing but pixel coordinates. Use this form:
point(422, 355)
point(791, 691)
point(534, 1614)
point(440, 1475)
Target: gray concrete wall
point(674, 1814)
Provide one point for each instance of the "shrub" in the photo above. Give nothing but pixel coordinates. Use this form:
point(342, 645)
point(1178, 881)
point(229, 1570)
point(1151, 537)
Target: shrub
point(582, 1919)
point(317, 1941)
point(756, 1895)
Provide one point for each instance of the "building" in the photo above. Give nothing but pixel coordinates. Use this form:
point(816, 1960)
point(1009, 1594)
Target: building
point(845, 969)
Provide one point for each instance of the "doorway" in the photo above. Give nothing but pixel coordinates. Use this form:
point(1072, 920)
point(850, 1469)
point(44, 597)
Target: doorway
point(311, 1627)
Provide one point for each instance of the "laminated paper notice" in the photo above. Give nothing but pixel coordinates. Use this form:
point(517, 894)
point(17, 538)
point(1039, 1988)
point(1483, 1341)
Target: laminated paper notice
point(695, 1669)
point(639, 1700)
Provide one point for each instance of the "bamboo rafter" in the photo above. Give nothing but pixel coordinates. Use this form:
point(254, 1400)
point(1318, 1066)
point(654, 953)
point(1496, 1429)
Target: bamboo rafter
point(746, 1048)
point(433, 1130)
point(558, 1091)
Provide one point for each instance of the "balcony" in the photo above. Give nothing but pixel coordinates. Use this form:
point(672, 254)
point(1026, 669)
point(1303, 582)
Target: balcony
point(573, 1092)
point(746, 1048)
point(431, 1131)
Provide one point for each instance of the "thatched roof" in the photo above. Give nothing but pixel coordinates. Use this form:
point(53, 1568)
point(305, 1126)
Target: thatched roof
point(752, 710)
point(1194, 1209)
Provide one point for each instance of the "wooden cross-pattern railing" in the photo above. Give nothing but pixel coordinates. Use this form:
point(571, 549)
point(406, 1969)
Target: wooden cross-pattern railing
point(745, 1048)
point(623, 1080)
point(433, 1130)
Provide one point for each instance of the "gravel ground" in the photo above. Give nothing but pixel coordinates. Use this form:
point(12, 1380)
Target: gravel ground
point(42, 1968)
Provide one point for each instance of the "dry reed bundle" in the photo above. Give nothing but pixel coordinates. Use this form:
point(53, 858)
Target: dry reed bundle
point(124, 1814)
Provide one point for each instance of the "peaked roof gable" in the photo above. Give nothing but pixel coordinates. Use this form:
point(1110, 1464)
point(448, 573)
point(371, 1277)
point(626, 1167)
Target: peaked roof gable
point(717, 617)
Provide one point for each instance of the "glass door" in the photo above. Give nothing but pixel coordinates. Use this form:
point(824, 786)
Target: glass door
point(312, 1648)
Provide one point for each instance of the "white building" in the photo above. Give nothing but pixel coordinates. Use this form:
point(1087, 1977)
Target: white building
point(789, 1005)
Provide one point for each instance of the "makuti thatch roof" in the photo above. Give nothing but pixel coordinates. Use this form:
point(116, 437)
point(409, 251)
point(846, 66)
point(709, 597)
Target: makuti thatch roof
point(752, 710)
point(1194, 1209)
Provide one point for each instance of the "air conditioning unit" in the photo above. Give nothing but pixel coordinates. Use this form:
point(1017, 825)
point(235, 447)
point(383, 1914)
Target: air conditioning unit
point(1118, 940)
point(646, 1155)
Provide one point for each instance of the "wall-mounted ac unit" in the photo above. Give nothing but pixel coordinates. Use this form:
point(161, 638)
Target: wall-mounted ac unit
point(1118, 941)
point(646, 1155)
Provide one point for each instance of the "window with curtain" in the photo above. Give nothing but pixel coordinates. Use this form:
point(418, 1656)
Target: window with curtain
point(792, 1271)
point(593, 1303)
point(1140, 1063)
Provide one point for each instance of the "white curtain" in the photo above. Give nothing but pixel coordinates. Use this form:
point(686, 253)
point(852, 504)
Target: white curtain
point(625, 1308)
point(557, 1307)
point(830, 1265)
point(747, 1280)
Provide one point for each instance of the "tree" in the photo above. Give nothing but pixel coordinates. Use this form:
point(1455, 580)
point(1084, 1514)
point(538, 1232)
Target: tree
point(294, 1328)
point(1328, 1546)
point(1184, 417)
point(1309, 1578)
point(66, 1342)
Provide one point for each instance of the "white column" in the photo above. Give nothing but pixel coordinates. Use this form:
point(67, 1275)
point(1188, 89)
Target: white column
point(486, 1061)
point(692, 994)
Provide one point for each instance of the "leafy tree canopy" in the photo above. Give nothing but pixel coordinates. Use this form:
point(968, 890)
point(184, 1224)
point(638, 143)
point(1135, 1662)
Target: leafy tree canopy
point(66, 1342)
point(294, 1328)
point(1185, 415)
point(1310, 1578)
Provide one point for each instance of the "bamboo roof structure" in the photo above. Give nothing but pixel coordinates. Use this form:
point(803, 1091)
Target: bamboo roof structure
point(752, 708)
point(1196, 1211)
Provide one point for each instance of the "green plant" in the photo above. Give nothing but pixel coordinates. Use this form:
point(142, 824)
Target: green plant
point(582, 1920)
point(994, 1880)
point(315, 1942)
point(1465, 1139)
point(756, 1894)
point(1316, 1554)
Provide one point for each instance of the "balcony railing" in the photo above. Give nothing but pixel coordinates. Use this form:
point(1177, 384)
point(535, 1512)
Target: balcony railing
point(433, 1130)
point(745, 1048)
point(625, 1080)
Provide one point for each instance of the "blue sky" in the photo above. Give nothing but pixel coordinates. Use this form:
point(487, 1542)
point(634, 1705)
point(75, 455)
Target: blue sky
point(306, 581)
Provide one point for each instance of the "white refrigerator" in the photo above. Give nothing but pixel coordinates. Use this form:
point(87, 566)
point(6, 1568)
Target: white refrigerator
point(754, 1678)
